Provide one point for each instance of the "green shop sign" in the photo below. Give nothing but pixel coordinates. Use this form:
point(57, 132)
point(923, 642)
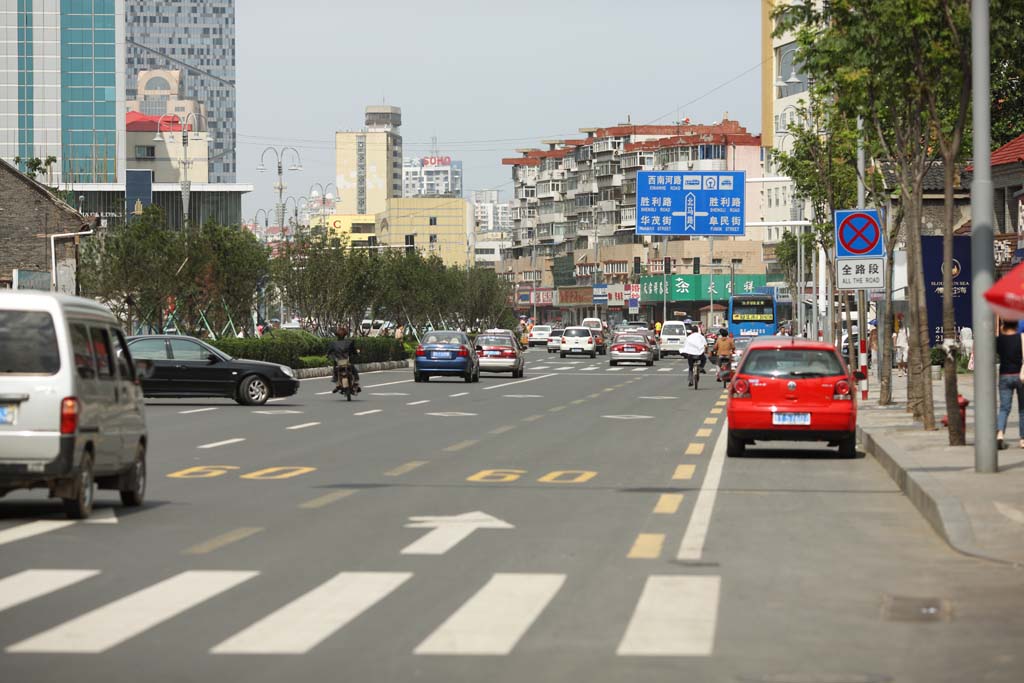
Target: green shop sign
point(697, 287)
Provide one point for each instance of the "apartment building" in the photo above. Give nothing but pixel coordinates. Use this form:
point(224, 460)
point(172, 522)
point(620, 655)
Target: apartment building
point(432, 176)
point(368, 162)
point(492, 214)
point(578, 198)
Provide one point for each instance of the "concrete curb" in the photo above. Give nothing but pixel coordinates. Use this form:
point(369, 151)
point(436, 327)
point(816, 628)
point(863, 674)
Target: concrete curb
point(941, 510)
point(309, 373)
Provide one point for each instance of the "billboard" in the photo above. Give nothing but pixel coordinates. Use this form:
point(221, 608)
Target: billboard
point(931, 254)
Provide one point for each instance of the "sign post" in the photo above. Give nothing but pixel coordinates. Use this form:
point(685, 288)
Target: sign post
point(860, 265)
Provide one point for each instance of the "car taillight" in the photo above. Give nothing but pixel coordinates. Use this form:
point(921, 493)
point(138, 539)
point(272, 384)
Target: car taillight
point(508, 353)
point(563, 341)
point(463, 352)
point(740, 388)
point(618, 347)
point(842, 391)
point(69, 416)
point(642, 347)
point(420, 351)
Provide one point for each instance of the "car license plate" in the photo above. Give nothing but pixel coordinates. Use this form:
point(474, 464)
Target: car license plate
point(577, 350)
point(803, 419)
point(493, 353)
point(6, 415)
point(442, 354)
point(630, 349)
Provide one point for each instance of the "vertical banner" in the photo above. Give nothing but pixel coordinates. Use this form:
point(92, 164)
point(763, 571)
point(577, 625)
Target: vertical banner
point(931, 253)
point(138, 192)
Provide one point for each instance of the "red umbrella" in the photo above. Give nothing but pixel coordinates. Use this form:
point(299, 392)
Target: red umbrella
point(1006, 296)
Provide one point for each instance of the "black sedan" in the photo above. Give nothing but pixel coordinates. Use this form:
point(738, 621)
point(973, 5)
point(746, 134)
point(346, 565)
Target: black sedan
point(187, 367)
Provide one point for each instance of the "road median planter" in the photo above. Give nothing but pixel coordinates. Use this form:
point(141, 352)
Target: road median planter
point(308, 373)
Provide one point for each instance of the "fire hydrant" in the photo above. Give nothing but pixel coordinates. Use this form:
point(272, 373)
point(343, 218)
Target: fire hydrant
point(962, 404)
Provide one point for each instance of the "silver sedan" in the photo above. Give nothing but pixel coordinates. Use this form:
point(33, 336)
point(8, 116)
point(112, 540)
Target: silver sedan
point(500, 353)
point(631, 348)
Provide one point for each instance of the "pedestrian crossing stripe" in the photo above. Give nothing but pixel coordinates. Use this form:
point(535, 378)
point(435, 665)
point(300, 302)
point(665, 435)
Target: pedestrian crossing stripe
point(674, 615)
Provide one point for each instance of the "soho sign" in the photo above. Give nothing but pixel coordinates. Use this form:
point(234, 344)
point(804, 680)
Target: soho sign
point(437, 161)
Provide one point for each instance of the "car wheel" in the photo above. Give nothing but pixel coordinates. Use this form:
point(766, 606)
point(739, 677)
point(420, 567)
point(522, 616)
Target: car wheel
point(650, 363)
point(735, 447)
point(848, 448)
point(468, 377)
point(593, 354)
point(562, 355)
point(80, 506)
point(476, 375)
point(613, 363)
point(417, 377)
point(133, 489)
point(254, 391)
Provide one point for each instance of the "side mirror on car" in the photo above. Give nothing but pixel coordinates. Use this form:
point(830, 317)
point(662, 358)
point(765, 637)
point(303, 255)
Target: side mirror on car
point(143, 369)
point(213, 358)
point(859, 375)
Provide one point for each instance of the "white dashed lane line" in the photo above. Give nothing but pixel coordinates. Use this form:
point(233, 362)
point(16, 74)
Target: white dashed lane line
point(196, 410)
point(304, 425)
point(461, 393)
point(418, 403)
point(367, 412)
point(218, 444)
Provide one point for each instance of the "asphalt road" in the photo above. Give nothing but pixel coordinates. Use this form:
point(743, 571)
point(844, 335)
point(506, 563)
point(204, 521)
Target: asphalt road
point(582, 523)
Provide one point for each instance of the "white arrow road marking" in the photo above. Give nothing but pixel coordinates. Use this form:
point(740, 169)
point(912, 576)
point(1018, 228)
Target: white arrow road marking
point(696, 533)
point(310, 619)
point(628, 417)
point(675, 617)
point(30, 529)
point(518, 381)
point(449, 531)
point(452, 414)
point(112, 624)
point(35, 583)
point(495, 618)
point(1009, 512)
point(102, 516)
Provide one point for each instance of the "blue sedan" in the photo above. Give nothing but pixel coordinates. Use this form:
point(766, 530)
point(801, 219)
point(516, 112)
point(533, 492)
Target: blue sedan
point(446, 353)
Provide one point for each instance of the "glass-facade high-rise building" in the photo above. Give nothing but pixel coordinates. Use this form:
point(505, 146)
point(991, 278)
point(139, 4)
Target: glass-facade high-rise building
point(62, 88)
point(197, 38)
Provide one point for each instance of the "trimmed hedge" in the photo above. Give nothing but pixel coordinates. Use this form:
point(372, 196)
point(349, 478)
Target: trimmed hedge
point(289, 347)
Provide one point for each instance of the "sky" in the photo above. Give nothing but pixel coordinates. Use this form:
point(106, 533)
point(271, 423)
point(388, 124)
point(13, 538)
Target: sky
point(485, 77)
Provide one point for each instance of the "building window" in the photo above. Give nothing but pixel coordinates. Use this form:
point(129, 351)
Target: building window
point(433, 220)
point(145, 152)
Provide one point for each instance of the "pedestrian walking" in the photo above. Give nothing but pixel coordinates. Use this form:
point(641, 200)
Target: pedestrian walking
point(967, 341)
point(873, 346)
point(1011, 358)
point(901, 340)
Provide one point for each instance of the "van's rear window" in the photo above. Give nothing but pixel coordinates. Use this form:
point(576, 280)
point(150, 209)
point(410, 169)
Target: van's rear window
point(28, 343)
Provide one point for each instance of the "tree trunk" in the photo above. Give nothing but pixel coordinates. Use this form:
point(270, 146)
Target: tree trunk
point(920, 357)
point(955, 424)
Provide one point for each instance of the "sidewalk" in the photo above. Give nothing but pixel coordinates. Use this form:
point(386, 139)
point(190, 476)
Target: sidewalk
point(977, 514)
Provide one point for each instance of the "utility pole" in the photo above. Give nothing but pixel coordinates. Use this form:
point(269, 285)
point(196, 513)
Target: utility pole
point(986, 458)
point(862, 298)
point(711, 289)
point(664, 281)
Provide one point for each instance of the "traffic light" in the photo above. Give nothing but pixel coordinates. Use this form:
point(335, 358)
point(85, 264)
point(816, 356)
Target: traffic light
point(668, 264)
point(696, 265)
point(636, 265)
point(410, 244)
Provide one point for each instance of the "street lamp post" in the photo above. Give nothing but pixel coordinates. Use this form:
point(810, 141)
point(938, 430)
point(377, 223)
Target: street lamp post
point(186, 163)
point(325, 197)
point(296, 165)
point(298, 204)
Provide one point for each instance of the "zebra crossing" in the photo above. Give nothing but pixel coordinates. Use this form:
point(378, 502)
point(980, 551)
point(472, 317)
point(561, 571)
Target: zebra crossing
point(674, 615)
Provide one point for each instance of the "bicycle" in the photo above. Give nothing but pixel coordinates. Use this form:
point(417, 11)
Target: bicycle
point(694, 363)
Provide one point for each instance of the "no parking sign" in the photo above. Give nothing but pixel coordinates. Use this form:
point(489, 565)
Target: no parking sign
point(859, 234)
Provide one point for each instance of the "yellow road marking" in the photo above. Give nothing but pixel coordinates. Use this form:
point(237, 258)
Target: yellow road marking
point(716, 411)
point(461, 445)
point(496, 476)
point(710, 420)
point(647, 547)
point(720, 404)
point(502, 429)
point(567, 477)
point(684, 472)
point(326, 499)
point(668, 503)
point(556, 409)
point(218, 542)
point(694, 449)
point(407, 467)
point(273, 473)
point(533, 418)
point(703, 433)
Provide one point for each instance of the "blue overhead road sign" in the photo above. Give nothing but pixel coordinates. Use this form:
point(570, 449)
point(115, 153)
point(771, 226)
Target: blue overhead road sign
point(690, 202)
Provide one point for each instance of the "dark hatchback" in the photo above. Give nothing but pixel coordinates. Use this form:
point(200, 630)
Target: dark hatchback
point(187, 367)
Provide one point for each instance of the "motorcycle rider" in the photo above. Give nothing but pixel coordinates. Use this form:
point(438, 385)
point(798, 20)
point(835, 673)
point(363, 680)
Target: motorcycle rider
point(343, 347)
point(725, 347)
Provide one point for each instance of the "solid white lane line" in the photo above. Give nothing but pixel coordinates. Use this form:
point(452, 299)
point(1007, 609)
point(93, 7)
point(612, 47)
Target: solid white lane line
point(116, 622)
point(418, 403)
point(692, 546)
point(304, 425)
point(495, 618)
point(22, 531)
point(387, 384)
point(675, 617)
point(368, 412)
point(218, 444)
point(518, 381)
point(195, 410)
point(35, 583)
point(461, 393)
point(310, 619)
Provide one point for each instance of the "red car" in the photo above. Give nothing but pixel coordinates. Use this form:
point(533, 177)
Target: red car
point(792, 389)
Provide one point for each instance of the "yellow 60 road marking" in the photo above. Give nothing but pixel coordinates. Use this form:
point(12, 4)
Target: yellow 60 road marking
point(202, 472)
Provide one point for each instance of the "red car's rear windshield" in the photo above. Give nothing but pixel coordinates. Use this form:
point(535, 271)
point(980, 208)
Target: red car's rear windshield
point(791, 363)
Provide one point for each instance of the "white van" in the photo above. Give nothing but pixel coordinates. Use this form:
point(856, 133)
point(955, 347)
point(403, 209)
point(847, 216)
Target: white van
point(71, 408)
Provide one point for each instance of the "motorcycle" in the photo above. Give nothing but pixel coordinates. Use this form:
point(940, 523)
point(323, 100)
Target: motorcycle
point(344, 379)
point(725, 370)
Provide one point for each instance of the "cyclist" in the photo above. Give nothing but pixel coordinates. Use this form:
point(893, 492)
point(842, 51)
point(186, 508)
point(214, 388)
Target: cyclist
point(694, 349)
